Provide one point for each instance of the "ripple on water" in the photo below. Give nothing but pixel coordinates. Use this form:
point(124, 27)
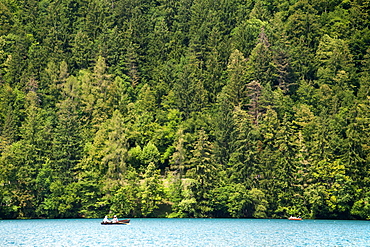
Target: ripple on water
point(184, 232)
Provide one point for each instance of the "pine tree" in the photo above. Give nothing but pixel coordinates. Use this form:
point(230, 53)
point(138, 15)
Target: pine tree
point(203, 170)
point(151, 191)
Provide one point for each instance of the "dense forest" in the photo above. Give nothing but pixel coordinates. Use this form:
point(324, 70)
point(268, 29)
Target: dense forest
point(185, 108)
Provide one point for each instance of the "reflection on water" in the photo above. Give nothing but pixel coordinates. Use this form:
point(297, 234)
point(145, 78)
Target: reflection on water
point(184, 232)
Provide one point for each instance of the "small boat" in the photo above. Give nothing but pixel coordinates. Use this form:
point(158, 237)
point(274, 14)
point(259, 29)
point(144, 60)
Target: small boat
point(295, 218)
point(120, 222)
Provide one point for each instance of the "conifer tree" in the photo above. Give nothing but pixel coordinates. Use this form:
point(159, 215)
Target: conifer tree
point(203, 170)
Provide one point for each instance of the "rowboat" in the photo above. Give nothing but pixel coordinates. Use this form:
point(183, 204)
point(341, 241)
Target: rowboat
point(120, 222)
point(294, 218)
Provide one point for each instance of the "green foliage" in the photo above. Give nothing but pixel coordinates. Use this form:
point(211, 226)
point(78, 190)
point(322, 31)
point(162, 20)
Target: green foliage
point(184, 108)
point(151, 191)
point(361, 207)
point(237, 200)
point(124, 198)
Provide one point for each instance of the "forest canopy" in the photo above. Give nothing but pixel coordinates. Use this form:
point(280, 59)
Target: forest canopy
point(185, 108)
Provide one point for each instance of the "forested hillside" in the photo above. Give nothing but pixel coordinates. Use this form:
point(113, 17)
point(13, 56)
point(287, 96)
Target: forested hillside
point(185, 108)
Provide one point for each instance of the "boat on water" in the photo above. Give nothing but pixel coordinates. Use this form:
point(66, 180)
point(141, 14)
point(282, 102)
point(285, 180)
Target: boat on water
point(295, 218)
point(120, 222)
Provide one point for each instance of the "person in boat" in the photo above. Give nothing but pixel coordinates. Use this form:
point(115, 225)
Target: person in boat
point(106, 220)
point(115, 219)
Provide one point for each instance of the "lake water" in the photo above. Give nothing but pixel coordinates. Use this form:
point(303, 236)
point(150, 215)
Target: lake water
point(185, 232)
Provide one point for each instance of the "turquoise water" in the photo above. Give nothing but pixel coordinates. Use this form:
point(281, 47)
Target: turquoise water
point(185, 232)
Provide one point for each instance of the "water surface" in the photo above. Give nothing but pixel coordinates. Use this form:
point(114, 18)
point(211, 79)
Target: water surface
point(185, 232)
